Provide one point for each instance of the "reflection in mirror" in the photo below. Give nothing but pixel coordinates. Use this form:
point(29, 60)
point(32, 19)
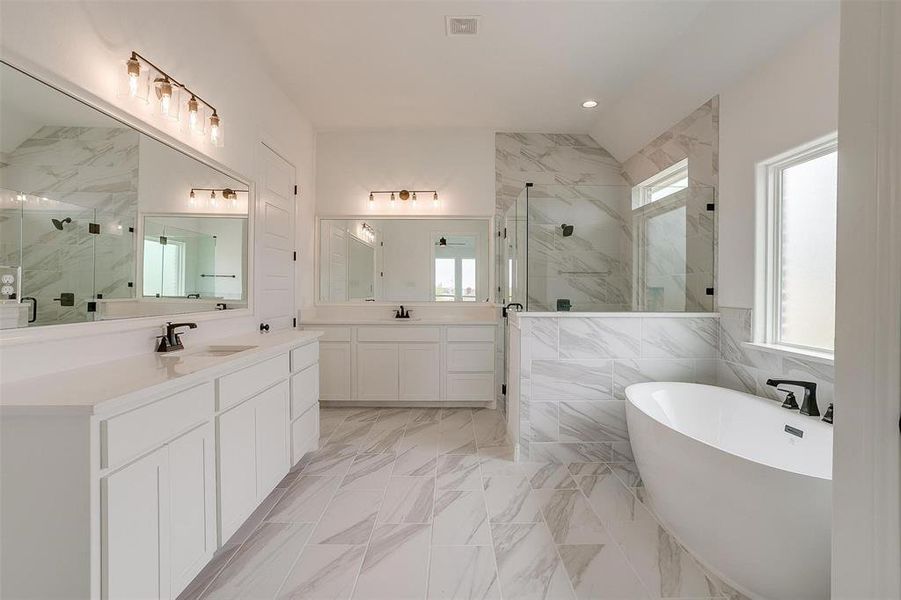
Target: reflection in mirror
point(73, 182)
point(195, 257)
point(403, 260)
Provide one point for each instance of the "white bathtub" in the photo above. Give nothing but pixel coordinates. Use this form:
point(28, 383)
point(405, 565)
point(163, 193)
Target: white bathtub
point(750, 501)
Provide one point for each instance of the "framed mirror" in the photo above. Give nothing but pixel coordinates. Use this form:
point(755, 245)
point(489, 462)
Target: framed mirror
point(403, 260)
point(79, 192)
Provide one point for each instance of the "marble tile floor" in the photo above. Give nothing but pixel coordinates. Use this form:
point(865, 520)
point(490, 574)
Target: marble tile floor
point(427, 503)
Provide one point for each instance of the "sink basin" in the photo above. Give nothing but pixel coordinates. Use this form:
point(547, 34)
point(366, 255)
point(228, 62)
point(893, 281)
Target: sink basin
point(221, 350)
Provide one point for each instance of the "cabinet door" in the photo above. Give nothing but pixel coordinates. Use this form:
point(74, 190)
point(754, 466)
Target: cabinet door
point(419, 370)
point(135, 530)
point(334, 371)
point(192, 498)
point(271, 409)
point(377, 366)
point(237, 467)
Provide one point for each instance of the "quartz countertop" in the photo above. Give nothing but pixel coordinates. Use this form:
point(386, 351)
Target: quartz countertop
point(125, 383)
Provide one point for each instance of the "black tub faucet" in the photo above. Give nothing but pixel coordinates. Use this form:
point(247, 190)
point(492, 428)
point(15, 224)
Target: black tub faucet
point(170, 341)
point(808, 404)
point(402, 313)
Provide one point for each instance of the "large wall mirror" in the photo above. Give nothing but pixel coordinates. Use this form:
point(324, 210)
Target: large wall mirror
point(87, 206)
point(403, 260)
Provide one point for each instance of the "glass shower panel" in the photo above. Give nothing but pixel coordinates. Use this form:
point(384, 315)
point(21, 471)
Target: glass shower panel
point(514, 251)
point(593, 249)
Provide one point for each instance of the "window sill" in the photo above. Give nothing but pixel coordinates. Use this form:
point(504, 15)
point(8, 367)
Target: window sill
point(826, 358)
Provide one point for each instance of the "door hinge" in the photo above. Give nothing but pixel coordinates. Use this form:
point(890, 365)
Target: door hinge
point(94, 228)
point(294, 322)
point(709, 291)
point(295, 190)
point(505, 233)
point(295, 256)
point(711, 206)
point(504, 389)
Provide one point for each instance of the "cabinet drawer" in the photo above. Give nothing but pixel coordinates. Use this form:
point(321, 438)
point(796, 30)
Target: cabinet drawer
point(304, 390)
point(127, 435)
point(240, 385)
point(303, 357)
point(305, 434)
point(470, 357)
point(399, 333)
point(470, 386)
point(471, 334)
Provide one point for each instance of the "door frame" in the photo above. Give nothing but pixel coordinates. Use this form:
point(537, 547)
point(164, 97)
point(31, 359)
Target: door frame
point(866, 526)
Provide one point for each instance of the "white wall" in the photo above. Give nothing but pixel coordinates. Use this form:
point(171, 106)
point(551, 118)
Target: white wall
point(84, 45)
point(790, 100)
point(459, 163)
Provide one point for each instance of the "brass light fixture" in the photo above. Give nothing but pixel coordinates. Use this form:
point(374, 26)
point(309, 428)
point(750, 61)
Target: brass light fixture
point(227, 194)
point(404, 195)
point(169, 91)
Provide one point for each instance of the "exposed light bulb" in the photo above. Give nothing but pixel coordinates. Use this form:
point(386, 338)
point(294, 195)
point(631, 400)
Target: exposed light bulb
point(133, 66)
point(193, 114)
point(213, 201)
point(414, 197)
point(371, 197)
point(164, 89)
point(435, 198)
point(214, 128)
point(392, 196)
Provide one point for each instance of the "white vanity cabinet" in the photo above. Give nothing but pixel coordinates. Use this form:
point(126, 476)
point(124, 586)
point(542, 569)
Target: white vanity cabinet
point(131, 494)
point(415, 363)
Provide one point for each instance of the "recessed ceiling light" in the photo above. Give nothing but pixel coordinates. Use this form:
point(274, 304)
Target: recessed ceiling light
point(590, 104)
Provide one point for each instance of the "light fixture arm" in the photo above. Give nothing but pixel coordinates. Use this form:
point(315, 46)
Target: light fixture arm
point(171, 79)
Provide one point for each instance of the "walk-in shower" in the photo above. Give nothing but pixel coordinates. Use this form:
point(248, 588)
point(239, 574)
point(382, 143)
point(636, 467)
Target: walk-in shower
point(630, 252)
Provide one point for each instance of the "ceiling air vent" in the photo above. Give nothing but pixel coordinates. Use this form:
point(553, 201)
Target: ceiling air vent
point(462, 26)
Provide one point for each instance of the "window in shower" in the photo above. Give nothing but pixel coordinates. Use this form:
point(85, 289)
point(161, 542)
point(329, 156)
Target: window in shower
point(796, 239)
point(665, 183)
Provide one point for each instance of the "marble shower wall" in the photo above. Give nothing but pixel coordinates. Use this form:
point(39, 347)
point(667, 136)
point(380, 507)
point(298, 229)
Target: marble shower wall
point(576, 181)
point(747, 369)
point(94, 172)
point(573, 371)
point(696, 138)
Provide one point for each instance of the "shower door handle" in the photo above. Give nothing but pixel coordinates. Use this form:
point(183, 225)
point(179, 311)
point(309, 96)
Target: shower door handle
point(507, 308)
point(34, 308)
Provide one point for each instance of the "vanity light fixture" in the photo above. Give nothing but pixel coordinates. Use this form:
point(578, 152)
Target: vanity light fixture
point(403, 195)
point(168, 91)
point(227, 194)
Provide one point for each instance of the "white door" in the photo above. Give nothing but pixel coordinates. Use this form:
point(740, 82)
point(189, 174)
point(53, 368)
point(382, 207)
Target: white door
point(272, 437)
point(135, 530)
point(192, 498)
point(237, 467)
point(419, 371)
point(274, 246)
point(377, 366)
point(334, 371)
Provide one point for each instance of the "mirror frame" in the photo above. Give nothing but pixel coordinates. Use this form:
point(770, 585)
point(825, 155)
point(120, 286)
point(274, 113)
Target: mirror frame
point(490, 230)
point(69, 330)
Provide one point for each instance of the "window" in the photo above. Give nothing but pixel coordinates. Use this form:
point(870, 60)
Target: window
point(454, 266)
point(665, 183)
point(796, 248)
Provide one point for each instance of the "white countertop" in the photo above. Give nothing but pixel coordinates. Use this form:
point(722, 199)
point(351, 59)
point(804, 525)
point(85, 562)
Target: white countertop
point(395, 322)
point(120, 384)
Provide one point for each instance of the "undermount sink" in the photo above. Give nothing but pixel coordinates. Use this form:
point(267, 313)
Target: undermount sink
point(221, 350)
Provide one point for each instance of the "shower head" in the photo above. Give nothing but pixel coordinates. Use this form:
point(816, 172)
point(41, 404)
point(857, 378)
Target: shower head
point(59, 224)
point(567, 230)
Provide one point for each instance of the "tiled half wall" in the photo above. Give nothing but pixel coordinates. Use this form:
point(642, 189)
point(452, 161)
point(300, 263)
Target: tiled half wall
point(569, 403)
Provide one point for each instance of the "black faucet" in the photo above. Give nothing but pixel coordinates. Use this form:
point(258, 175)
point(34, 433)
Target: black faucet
point(402, 313)
point(808, 405)
point(171, 340)
point(828, 416)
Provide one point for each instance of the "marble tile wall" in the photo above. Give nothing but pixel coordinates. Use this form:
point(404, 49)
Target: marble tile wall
point(747, 369)
point(573, 372)
point(93, 171)
point(696, 138)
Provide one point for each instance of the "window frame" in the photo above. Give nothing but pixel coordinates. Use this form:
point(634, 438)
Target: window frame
point(642, 193)
point(768, 259)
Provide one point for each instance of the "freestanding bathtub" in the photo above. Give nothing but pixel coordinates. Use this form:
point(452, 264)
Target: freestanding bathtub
point(748, 499)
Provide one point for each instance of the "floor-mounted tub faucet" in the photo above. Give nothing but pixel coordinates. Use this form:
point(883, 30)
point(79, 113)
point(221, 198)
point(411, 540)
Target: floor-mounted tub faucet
point(808, 405)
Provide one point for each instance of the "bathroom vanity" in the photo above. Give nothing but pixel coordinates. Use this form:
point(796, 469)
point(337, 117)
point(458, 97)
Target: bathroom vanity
point(398, 362)
point(123, 479)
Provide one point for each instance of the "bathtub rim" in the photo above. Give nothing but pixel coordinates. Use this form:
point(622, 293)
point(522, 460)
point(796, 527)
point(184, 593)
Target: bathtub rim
point(637, 387)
